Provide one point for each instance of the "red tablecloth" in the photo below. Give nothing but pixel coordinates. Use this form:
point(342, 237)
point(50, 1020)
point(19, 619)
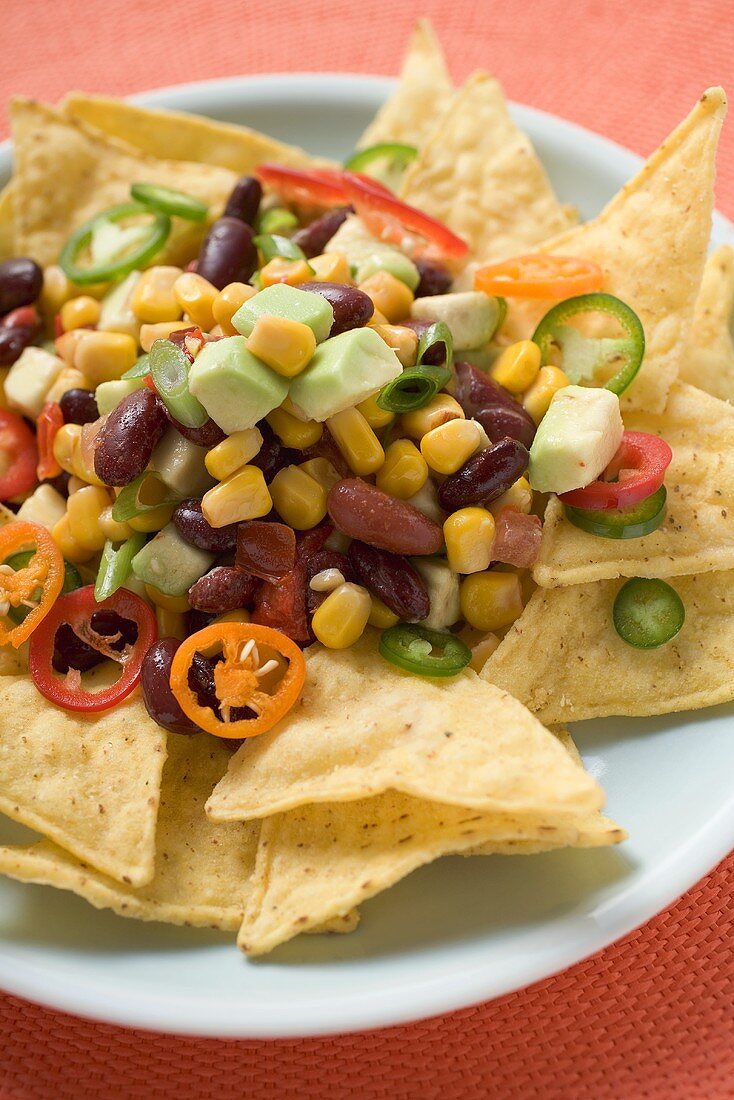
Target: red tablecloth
point(651, 1016)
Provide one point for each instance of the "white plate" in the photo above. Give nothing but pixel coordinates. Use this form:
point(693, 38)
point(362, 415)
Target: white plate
point(457, 932)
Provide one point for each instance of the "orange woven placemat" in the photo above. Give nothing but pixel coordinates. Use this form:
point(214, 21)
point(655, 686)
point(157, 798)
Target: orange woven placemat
point(652, 1016)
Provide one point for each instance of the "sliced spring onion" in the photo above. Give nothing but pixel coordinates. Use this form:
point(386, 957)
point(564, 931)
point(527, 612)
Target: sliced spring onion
point(170, 369)
point(647, 613)
point(115, 565)
point(276, 220)
point(140, 367)
point(275, 247)
point(425, 652)
point(626, 523)
point(438, 333)
point(72, 580)
point(413, 389)
point(130, 502)
point(169, 201)
point(115, 268)
point(385, 161)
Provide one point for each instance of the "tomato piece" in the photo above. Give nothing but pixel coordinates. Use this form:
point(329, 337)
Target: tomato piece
point(49, 421)
point(76, 611)
point(319, 187)
point(540, 275)
point(18, 444)
point(639, 468)
point(242, 679)
point(517, 538)
point(44, 571)
point(281, 604)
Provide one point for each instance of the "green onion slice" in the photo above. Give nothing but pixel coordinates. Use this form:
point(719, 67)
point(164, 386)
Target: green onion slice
point(276, 220)
point(72, 580)
point(385, 161)
point(425, 652)
point(140, 368)
point(647, 613)
point(136, 254)
point(170, 369)
point(131, 502)
point(115, 565)
point(438, 333)
point(627, 523)
point(413, 389)
point(169, 201)
point(273, 246)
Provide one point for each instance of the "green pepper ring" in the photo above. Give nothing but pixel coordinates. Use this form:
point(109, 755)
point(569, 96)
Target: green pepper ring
point(399, 154)
point(167, 200)
point(396, 643)
point(87, 276)
point(647, 613)
point(628, 523)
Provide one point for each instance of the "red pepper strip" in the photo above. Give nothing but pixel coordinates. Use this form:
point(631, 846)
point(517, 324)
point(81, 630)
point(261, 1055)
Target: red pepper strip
point(18, 444)
point(77, 609)
point(49, 421)
point(639, 466)
point(281, 604)
point(321, 188)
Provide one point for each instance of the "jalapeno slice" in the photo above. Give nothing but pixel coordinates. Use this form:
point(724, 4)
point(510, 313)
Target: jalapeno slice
point(273, 246)
point(137, 256)
point(647, 613)
point(626, 523)
point(424, 652)
point(169, 201)
point(385, 161)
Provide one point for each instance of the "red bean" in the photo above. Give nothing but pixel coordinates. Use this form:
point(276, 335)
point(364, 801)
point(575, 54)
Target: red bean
point(13, 342)
point(189, 520)
point(224, 588)
point(434, 279)
point(244, 200)
point(208, 435)
point(501, 422)
point(79, 407)
point(129, 436)
point(392, 579)
point(313, 238)
point(352, 308)
point(21, 280)
point(492, 406)
point(366, 513)
point(266, 550)
point(160, 702)
point(484, 477)
point(272, 456)
point(228, 254)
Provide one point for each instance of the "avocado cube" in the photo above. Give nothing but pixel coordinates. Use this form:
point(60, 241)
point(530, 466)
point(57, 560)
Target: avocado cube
point(282, 300)
point(181, 465)
point(471, 316)
point(108, 395)
point(344, 371)
point(170, 563)
point(576, 439)
point(235, 388)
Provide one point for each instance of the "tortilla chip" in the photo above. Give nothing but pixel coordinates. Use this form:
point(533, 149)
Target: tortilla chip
point(422, 94)
point(177, 136)
point(479, 174)
point(583, 669)
point(697, 534)
point(91, 784)
point(7, 223)
point(362, 726)
point(66, 172)
point(709, 359)
point(651, 241)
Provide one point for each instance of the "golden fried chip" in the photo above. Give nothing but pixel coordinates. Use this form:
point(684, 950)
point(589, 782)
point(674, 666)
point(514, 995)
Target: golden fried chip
point(709, 359)
point(698, 531)
point(7, 223)
point(90, 783)
point(362, 726)
point(583, 669)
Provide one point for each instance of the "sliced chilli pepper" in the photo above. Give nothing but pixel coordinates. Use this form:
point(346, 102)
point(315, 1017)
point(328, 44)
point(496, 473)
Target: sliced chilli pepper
point(169, 201)
point(72, 580)
point(49, 421)
point(18, 445)
point(639, 468)
point(76, 611)
point(276, 220)
point(647, 613)
point(540, 275)
point(242, 679)
point(584, 357)
point(385, 161)
point(425, 652)
point(319, 188)
point(134, 256)
point(44, 571)
point(626, 523)
point(272, 247)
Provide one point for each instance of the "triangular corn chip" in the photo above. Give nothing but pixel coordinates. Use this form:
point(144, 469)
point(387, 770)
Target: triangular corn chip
point(651, 241)
point(177, 136)
point(363, 726)
point(66, 172)
point(422, 94)
point(7, 223)
point(709, 359)
point(698, 531)
point(480, 175)
point(91, 784)
point(583, 669)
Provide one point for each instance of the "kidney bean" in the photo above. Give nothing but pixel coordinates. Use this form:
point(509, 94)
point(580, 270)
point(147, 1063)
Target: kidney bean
point(224, 588)
point(196, 621)
point(160, 702)
point(129, 436)
point(325, 559)
point(392, 579)
point(502, 422)
point(244, 200)
point(228, 254)
point(364, 512)
point(492, 405)
point(13, 342)
point(435, 279)
point(208, 435)
point(352, 308)
point(272, 456)
point(436, 355)
point(266, 550)
point(79, 406)
point(192, 526)
point(22, 317)
point(21, 280)
point(484, 477)
point(313, 238)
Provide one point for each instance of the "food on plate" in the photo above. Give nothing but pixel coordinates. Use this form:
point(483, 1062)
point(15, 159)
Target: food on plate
point(330, 491)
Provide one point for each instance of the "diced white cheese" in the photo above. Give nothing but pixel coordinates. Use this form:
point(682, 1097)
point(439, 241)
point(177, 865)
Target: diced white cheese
point(45, 506)
point(29, 380)
point(576, 440)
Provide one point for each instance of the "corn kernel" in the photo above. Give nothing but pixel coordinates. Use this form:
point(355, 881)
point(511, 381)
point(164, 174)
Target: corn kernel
point(404, 471)
point(356, 441)
point(67, 449)
point(381, 616)
point(233, 452)
point(179, 604)
point(298, 498)
point(83, 510)
point(280, 270)
point(67, 544)
point(243, 495)
point(152, 491)
point(375, 416)
point(171, 624)
point(74, 485)
point(69, 378)
point(517, 366)
point(538, 397)
point(228, 301)
point(294, 432)
point(113, 529)
point(105, 356)
point(482, 650)
point(341, 619)
point(56, 290)
point(153, 299)
point(286, 346)
point(391, 297)
point(403, 341)
point(448, 447)
point(196, 296)
point(65, 345)
point(239, 615)
point(331, 267)
point(519, 496)
point(439, 410)
point(150, 333)
point(79, 312)
point(469, 535)
point(321, 470)
point(491, 600)
point(376, 319)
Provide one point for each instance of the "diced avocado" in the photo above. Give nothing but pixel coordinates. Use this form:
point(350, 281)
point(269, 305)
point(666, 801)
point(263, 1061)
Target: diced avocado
point(235, 388)
point(443, 591)
point(426, 501)
point(286, 301)
point(117, 314)
point(344, 371)
point(482, 358)
point(29, 380)
point(170, 563)
point(366, 255)
point(181, 465)
point(108, 395)
point(472, 317)
point(576, 440)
